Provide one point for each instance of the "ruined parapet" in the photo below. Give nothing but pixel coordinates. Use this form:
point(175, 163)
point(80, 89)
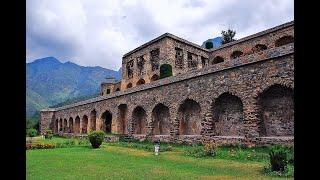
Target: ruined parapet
point(46, 120)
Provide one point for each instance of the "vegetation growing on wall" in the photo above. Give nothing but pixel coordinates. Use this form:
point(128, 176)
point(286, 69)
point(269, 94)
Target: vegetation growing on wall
point(165, 71)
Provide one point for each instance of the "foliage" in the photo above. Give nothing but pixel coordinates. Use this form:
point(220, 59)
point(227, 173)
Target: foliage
point(32, 132)
point(209, 45)
point(288, 171)
point(210, 148)
point(165, 71)
point(228, 36)
point(279, 157)
point(48, 134)
point(96, 138)
point(30, 146)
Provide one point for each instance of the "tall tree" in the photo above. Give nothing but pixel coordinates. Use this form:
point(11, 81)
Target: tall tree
point(228, 36)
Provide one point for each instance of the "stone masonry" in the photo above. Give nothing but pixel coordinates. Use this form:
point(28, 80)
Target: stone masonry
point(241, 92)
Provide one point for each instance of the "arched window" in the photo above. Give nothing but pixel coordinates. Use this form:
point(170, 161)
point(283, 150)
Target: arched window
point(284, 40)
point(209, 45)
point(165, 71)
point(217, 60)
point(129, 85)
point(154, 77)
point(141, 81)
point(259, 47)
point(236, 54)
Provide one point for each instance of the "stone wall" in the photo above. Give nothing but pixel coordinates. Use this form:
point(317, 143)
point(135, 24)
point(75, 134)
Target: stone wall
point(246, 99)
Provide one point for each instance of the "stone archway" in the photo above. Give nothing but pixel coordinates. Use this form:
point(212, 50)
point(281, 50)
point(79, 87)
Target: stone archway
point(228, 115)
point(65, 126)
point(189, 116)
point(71, 130)
point(93, 120)
point(107, 121)
point(276, 106)
point(122, 119)
point(139, 120)
point(77, 125)
point(161, 120)
point(84, 124)
point(60, 125)
point(56, 126)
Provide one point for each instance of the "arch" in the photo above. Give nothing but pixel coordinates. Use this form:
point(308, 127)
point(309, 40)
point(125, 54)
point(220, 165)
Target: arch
point(154, 77)
point(139, 120)
point(93, 120)
point(228, 115)
point(189, 116)
point(60, 125)
point(118, 89)
point(65, 126)
point(161, 120)
point(129, 85)
point(236, 54)
point(284, 40)
point(122, 119)
point(141, 81)
point(107, 121)
point(276, 106)
point(77, 125)
point(84, 124)
point(259, 47)
point(56, 126)
point(217, 59)
point(71, 125)
point(165, 71)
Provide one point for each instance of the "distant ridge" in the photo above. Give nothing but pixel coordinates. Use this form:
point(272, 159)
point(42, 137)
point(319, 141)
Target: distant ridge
point(50, 82)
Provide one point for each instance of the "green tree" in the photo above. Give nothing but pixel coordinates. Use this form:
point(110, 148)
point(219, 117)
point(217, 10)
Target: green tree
point(228, 36)
point(209, 45)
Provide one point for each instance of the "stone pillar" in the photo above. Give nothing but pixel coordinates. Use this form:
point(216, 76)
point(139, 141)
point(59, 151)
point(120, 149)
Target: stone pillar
point(251, 119)
point(174, 131)
point(46, 117)
point(149, 126)
point(130, 122)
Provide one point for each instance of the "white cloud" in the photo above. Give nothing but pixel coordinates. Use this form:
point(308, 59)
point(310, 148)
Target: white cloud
point(99, 32)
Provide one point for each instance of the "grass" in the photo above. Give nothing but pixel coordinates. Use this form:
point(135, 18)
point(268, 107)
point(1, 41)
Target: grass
point(118, 160)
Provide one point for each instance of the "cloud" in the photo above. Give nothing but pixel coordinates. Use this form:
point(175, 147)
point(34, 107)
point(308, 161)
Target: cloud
point(99, 32)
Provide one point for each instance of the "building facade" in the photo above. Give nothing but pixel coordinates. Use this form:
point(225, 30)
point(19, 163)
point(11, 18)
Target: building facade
point(177, 91)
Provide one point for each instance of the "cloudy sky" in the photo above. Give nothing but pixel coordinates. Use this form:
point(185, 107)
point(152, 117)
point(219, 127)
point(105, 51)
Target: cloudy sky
point(99, 32)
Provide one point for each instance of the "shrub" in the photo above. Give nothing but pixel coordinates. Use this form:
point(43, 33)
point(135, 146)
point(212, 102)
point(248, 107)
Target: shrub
point(195, 151)
point(48, 134)
point(96, 138)
point(210, 148)
point(278, 158)
point(32, 132)
point(39, 146)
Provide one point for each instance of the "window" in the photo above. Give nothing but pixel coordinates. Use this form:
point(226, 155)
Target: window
point(108, 91)
point(155, 59)
point(129, 67)
point(179, 58)
point(284, 40)
point(192, 63)
point(236, 54)
point(217, 59)
point(140, 64)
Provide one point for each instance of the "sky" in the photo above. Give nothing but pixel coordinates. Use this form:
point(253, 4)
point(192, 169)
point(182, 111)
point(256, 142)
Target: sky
point(100, 32)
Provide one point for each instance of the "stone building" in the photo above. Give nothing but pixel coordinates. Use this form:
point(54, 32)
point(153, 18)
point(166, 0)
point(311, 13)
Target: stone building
point(177, 91)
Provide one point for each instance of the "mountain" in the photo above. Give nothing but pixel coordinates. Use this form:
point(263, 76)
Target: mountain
point(216, 42)
point(50, 82)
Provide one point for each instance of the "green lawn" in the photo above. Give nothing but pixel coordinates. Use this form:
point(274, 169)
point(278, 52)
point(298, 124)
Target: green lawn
point(114, 161)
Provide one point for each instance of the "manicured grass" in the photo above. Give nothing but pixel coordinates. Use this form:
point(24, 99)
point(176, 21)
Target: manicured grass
point(115, 161)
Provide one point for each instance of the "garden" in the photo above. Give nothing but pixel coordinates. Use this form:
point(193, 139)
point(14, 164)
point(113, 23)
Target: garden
point(54, 157)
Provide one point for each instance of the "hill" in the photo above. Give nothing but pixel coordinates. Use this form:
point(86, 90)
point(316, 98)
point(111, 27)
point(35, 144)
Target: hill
point(50, 82)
